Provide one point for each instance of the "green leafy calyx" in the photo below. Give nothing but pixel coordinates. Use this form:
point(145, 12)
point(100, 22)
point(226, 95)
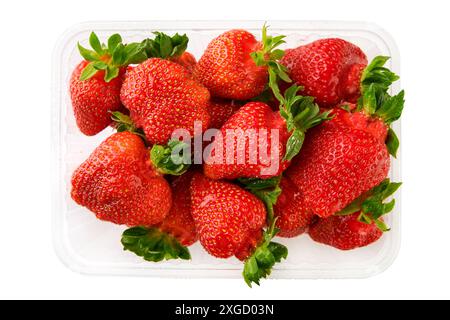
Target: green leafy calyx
point(109, 57)
point(259, 265)
point(268, 190)
point(123, 122)
point(375, 100)
point(376, 80)
point(301, 114)
point(372, 206)
point(392, 143)
point(269, 56)
point(153, 245)
point(164, 46)
point(173, 158)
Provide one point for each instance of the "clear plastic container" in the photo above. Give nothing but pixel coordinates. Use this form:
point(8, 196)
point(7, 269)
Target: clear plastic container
point(90, 246)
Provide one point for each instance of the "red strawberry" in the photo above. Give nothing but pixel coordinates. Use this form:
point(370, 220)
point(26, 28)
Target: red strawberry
point(235, 65)
point(179, 222)
point(347, 156)
point(344, 232)
point(93, 99)
point(255, 152)
point(336, 165)
point(252, 116)
point(329, 69)
point(230, 221)
point(118, 184)
point(361, 223)
point(227, 217)
point(162, 96)
point(95, 83)
point(293, 217)
point(220, 111)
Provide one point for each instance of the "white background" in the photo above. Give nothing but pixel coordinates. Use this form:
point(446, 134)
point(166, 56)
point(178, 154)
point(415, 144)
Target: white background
point(30, 269)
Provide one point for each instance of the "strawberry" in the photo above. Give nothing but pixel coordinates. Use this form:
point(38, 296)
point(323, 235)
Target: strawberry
point(170, 238)
point(227, 217)
point(292, 217)
point(179, 222)
point(348, 155)
point(220, 111)
point(329, 69)
point(248, 134)
point(162, 96)
point(117, 183)
point(344, 232)
point(236, 66)
point(360, 224)
point(336, 165)
point(95, 83)
point(252, 116)
point(230, 221)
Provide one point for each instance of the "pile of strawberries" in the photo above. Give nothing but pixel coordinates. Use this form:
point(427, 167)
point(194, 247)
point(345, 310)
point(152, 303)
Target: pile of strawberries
point(331, 110)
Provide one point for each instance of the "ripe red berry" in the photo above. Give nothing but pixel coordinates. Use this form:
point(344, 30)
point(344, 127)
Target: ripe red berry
point(229, 219)
point(344, 232)
point(118, 184)
point(329, 70)
point(162, 96)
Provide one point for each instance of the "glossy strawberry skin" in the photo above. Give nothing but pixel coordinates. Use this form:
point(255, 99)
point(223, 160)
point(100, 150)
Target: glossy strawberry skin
point(227, 69)
point(162, 96)
point(338, 162)
point(252, 116)
point(360, 120)
point(220, 111)
point(229, 219)
point(344, 232)
point(93, 99)
point(293, 218)
point(187, 60)
point(117, 183)
point(329, 69)
point(179, 222)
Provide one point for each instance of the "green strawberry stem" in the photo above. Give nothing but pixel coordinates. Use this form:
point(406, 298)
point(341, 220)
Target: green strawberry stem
point(301, 114)
point(375, 100)
point(123, 122)
point(372, 205)
point(392, 143)
point(109, 57)
point(153, 245)
point(269, 56)
point(164, 46)
point(268, 190)
point(172, 158)
point(259, 265)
